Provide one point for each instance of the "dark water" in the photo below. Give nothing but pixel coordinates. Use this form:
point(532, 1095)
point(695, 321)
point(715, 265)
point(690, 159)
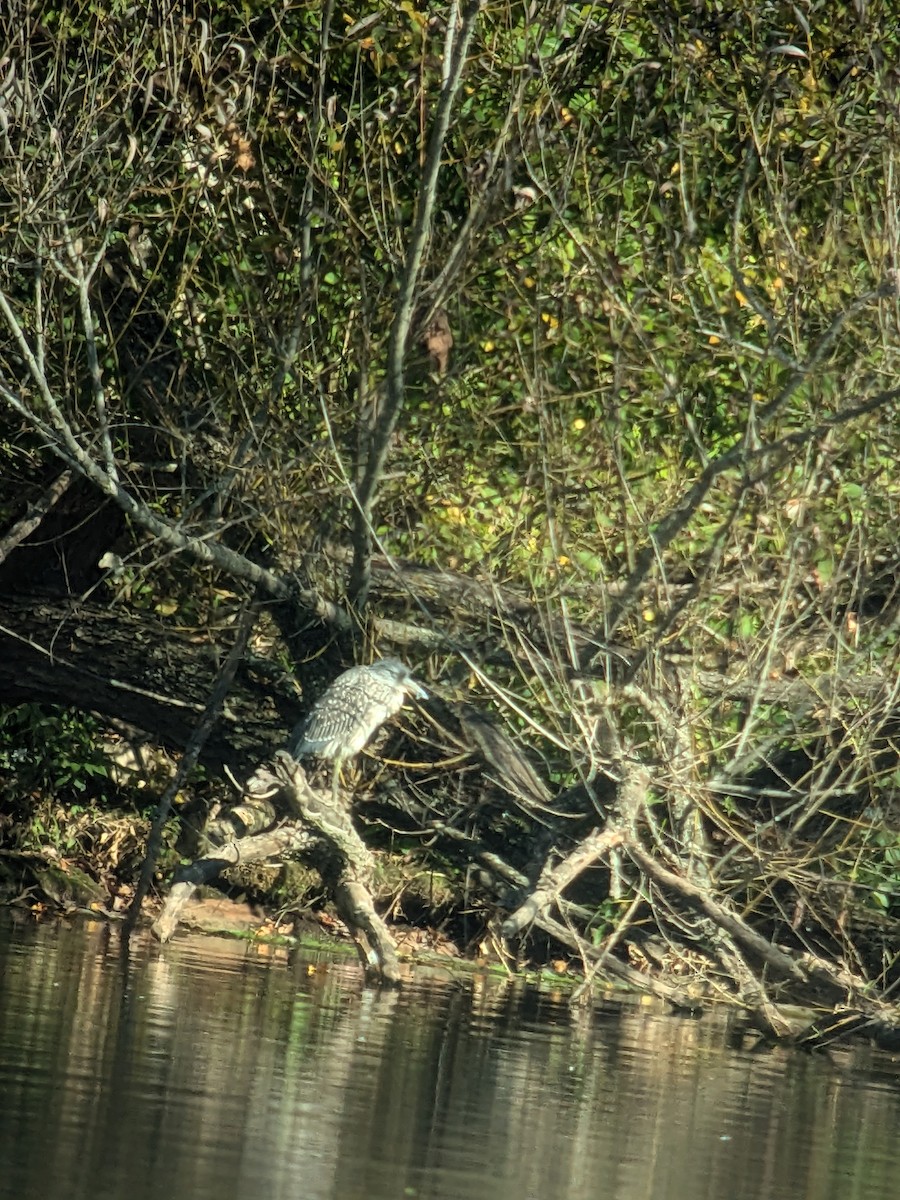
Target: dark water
point(207, 1069)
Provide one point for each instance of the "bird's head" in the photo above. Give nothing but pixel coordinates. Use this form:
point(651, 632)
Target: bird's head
point(400, 675)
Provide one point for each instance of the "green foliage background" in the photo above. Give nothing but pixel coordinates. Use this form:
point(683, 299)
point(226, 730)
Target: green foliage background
point(666, 238)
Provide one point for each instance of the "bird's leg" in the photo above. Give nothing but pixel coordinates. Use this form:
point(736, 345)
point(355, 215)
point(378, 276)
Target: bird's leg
point(335, 779)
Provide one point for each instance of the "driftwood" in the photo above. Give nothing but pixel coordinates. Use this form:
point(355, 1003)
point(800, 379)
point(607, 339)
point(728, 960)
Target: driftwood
point(276, 844)
point(346, 864)
point(813, 1002)
point(554, 878)
point(832, 1007)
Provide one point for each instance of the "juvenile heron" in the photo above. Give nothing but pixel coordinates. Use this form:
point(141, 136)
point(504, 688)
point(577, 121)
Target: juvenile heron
point(350, 710)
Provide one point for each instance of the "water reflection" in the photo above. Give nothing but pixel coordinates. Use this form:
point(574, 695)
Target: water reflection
point(207, 1069)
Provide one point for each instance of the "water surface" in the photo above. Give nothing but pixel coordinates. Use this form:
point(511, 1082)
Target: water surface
point(207, 1069)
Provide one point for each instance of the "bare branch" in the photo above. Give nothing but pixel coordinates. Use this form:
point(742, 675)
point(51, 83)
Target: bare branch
point(37, 510)
point(66, 446)
point(456, 47)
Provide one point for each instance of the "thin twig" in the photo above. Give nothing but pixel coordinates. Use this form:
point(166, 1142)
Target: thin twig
point(63, 442)
point(36, 512)
point(192, 750)
point(456, 48)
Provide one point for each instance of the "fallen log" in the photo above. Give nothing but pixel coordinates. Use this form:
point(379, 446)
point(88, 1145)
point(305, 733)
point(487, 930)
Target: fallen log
point(345, 863)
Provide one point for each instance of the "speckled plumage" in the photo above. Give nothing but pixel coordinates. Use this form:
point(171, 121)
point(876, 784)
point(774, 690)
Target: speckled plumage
point(351, 709)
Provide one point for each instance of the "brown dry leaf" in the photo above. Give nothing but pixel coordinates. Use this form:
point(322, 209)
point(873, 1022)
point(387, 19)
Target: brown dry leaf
point(437, 340)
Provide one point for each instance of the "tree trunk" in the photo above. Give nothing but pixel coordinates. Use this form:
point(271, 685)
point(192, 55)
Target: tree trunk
point(136, 671)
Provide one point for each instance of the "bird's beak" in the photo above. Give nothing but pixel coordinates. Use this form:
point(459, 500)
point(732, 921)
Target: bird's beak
point(417, 690)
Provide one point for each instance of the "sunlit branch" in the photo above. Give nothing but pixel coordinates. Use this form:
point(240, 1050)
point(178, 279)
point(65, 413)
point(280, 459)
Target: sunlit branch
point(63, 442)
point(455, 51)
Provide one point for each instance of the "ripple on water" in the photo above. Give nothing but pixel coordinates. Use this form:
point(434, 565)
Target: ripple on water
point(208, 1068)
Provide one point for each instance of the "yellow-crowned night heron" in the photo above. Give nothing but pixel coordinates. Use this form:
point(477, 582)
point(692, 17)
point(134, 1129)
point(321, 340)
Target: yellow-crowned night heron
point(350, 710)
